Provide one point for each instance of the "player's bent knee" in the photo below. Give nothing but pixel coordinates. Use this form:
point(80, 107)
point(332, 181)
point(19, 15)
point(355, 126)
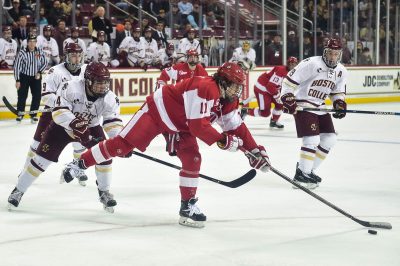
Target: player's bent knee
point(265, 113)
point(311, 141)
point(328, 140)
point(117, 146)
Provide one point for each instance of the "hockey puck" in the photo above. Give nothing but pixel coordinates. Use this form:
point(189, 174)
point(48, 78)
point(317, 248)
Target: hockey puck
point(372, 232)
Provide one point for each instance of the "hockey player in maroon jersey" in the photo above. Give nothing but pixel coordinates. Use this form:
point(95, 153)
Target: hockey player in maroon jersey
point(187, 108)
point(267, 90)
point(183, 70)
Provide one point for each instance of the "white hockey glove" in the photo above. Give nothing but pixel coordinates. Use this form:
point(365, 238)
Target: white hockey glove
point(258, 159)
point(230, 143)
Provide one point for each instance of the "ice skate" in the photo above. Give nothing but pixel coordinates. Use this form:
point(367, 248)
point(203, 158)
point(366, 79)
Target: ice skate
point(14, 198)
point(108, 201)
point(275, 124)
point(305, 180)
point(34, 120)
point(315, 177)
point(243, 112)
point(19, 119)
point(75, 169)
point(190, 214)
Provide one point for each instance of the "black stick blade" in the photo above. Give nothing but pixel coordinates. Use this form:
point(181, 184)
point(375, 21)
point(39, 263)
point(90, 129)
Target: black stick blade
point(9, 106)
point(242, 180)
point(383, 225)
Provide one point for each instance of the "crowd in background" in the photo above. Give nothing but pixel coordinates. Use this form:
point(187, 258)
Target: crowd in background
point(175, 19)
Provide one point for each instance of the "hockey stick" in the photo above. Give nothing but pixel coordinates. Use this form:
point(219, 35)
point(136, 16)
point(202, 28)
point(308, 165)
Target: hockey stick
point(348, 111)
point(248, 100)
point(383, 225)
point(19, 113)
point(232, 184)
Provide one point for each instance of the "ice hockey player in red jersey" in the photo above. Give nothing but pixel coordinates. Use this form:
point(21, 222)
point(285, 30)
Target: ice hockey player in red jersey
point(183, 70)
point(267, 90)
point(187, 108)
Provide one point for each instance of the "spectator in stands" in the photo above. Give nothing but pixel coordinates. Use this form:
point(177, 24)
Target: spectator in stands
point(308, 49)
point(8, 20)
point(194, 18)
point(144, 25)
point(60, 34)
point(100, 23)
point(16, 10)
point(42, 19)
point(160, 35)
point(322, 43)
point(346, 53)
point(78, 18)
point(258, 48)
point(119, 36)
point(210, 18)
point(292, 45)
point(162, 17)
point(66, 7)
point(365, 58)
point(365, 32)
point(20, 33)
point(274, 52)
point(55, 13)
point(185, 8)
point(33, 30)
point(177, 21)
point(216, 9)
point(123, 5)
point(153, 7)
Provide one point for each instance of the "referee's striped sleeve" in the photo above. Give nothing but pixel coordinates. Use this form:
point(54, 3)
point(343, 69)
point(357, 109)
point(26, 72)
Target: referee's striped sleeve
point(18, 65)
point(43, 61)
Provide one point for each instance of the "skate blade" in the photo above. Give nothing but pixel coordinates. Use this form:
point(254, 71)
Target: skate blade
point(108, 209)
point(82, 183)
point(10, 207)
point(190, 223)
point(306, 185)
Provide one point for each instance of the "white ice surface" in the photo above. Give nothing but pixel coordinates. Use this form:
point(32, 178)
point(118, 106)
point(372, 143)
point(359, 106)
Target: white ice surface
point(264, 222)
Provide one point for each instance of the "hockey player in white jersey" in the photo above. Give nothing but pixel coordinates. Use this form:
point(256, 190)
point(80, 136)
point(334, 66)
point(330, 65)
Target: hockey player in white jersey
point(79, 107)
point(49, 46)
point(72, 68)
point(244, 54)
point(75, 38)
point(133, 48)
point(99, 51)
point(186, 44)
point(8, 49)
point(150, 49)
point(166, 56)
point(308, 85)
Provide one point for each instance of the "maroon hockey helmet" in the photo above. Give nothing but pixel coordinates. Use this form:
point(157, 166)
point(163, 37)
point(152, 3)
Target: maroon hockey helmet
point(137, 29)
point(97, 79)
point(7, 33)
point(171, 46)
point(332, 52)
point(73, 56)
point(101, 34)
point(47, 28)
point(7, 28)
point(230, 78)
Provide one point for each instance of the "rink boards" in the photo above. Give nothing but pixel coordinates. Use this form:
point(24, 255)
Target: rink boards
point(132, 86)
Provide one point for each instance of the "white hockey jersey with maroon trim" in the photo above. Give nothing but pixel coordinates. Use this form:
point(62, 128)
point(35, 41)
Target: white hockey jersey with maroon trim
point(50, 48)
point(8, 51)
point(185, 45)
point(72, 102)
point(133, 48)
point(97, 52)
point(312, 82)
point(54, 77)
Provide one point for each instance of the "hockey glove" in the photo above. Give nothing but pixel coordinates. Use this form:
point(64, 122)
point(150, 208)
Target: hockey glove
point(172, 143)
point(339, 105)
point(259, 159)
point(230, 143)
point(289, 103)
point(128, 155)
point(80, 130)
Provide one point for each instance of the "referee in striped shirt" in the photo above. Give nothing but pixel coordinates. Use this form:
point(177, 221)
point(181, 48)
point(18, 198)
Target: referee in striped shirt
point(28, 69)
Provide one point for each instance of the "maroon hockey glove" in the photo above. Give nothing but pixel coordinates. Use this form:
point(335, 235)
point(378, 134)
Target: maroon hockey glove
point(230, 143)
point(289, 103)
point(3, 64)
point(259, 159)
point(339, 105)
point(80, 130)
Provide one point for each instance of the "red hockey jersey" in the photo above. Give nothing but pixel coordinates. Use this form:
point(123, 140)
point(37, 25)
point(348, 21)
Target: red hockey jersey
point(188, 105)
point(271, 82)
point(181, 71)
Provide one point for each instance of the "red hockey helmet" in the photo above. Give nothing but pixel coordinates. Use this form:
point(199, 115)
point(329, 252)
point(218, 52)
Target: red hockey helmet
point(332, 52)
point(192, 57)
point(292, 62)
point(73, 56)
point(97, 79)
point(230, 78)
